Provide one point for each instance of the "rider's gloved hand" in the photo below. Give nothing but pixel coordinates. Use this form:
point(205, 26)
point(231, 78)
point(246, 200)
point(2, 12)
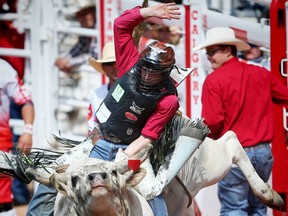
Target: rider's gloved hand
point(121, 155)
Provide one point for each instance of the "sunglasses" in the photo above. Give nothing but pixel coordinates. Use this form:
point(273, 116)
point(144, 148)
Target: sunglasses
point(108, 64)
point(212, 52)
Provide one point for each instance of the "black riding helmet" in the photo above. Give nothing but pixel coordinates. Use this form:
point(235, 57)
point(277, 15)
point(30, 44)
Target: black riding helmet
point(156, 58)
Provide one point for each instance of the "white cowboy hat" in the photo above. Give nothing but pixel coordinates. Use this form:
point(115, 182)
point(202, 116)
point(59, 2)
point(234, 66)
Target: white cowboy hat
point(108, 56)
point(78, 6)
point(222, 36)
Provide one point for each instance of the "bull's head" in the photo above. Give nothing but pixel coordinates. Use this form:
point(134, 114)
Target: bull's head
point(93, 178)
point(88, 180)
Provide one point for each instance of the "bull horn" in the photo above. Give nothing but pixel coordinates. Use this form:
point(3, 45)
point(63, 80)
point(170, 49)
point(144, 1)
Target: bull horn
point(41, 177)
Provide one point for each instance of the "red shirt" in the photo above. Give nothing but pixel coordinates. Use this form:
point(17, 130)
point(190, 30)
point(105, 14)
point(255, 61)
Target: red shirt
point(238, 97)
point(126, 57)
point(10, 38)
point(11, 88)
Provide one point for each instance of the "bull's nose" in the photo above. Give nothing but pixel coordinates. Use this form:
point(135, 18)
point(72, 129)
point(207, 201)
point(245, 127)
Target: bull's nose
point(93, 176)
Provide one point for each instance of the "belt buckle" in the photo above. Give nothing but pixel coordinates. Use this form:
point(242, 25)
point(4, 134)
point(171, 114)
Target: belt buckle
point(112, 139)
point(95, 134)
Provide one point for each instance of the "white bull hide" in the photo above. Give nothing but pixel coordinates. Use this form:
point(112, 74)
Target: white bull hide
point(95, 187)
point(92, 186)
point(208, 165)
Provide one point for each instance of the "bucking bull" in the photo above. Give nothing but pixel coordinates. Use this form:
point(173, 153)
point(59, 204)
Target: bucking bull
point(89, 186)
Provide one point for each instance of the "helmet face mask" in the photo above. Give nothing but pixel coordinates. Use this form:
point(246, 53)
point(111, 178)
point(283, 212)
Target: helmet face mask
point(151, 77)
point(154, 66)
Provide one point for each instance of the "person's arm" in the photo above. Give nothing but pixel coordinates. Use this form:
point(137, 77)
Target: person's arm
point(212, 111)
point(76, 56)
point(164, 112)
point(25, 140)
point(21, 96)
point(63, 64)
point(126, 52)
point(137, 145)
point(279, 91)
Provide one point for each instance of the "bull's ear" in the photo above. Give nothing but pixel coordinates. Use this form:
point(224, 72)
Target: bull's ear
point(136, 177)
point(60, 183)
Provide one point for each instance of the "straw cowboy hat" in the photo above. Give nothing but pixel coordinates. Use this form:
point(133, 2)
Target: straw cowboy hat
point(222, 36)
point(108, 56)
point(78, 6)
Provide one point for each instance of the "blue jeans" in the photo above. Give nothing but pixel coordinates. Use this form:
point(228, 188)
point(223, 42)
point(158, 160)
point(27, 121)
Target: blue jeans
point(235, 195)
point(42, 202)
point(20, 192)
point(107, 151)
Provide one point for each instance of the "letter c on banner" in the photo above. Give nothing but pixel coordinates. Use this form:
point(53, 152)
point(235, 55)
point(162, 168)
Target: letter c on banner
point(194, 15)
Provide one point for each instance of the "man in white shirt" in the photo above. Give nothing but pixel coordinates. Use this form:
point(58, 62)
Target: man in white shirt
point(107, 66)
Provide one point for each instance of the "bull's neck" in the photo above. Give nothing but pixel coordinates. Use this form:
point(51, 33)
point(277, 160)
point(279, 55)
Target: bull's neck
point(113, 205)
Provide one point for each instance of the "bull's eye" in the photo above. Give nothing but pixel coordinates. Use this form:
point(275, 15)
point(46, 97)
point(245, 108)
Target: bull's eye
point(74, 180)
point(114, 172)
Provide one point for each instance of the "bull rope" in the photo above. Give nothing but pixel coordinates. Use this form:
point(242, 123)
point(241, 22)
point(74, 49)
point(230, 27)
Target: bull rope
point(185, 190)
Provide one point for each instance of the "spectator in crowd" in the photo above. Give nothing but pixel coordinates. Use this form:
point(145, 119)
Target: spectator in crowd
point(11, 88)
point(163, 33)
point(239, 97)
point(254, 54)
point(107, 66)
point(11, 38)
point(85, 13)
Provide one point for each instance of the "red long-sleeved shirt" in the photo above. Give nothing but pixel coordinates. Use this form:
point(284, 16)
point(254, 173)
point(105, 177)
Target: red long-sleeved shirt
point(239, 97)
point(11, 88)
point(126, 57)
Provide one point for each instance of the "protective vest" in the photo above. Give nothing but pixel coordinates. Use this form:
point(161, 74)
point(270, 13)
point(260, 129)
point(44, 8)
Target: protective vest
point(125, 110)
